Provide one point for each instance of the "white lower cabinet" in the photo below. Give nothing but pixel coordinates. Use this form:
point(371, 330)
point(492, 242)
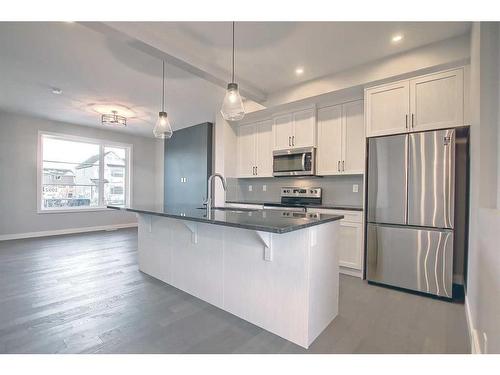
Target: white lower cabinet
point(350, 246)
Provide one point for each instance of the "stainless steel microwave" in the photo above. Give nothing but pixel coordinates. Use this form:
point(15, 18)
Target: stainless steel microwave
point(294, 162)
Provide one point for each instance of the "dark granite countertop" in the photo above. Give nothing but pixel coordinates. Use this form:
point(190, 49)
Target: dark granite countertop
point(326, 206)
point(273, 221)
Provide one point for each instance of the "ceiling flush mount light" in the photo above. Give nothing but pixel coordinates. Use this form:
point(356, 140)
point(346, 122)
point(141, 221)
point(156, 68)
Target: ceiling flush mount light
point(56, 91)
point(113, 119)
point(163, 130)
point(232, 106)
point(299, 71)
point(397, 38)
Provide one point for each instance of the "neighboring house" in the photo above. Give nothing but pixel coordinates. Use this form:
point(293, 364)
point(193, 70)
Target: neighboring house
point(114, 176)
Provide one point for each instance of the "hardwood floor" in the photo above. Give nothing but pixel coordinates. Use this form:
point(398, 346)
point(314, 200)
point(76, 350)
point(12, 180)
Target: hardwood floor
point(84, 294)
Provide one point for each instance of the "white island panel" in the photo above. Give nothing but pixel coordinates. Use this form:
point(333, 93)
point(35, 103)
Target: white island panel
point(294, 294)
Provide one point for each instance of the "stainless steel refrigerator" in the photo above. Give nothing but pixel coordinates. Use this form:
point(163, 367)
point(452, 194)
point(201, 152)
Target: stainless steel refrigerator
point(411, 203)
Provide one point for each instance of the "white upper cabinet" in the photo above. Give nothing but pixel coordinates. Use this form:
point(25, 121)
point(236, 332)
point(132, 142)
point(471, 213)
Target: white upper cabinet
point(255, 154)
point(433, 101)
point(294, 130)
point(329, 153)
point(304, 128)
point(246, 150)
point(264, 149)
point(353, 146)
point(341, 139)
point(283, 132)
point(436, 101)
point(387, 109)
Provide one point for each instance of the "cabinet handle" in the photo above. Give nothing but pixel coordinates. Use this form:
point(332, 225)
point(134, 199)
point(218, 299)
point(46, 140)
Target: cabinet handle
point(343, 165)
point(412, 120)
point(338, 166)
point(253, 171)
point(293, 140)
point(406, 121)
point(289, 141)
point(256, 171)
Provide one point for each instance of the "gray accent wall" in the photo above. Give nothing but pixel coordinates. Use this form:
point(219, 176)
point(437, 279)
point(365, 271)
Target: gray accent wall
point(336, 189)
point(18, 176)
point(188, 163)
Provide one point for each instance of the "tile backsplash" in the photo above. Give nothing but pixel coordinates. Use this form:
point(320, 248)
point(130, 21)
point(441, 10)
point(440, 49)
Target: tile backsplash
point(336, 189)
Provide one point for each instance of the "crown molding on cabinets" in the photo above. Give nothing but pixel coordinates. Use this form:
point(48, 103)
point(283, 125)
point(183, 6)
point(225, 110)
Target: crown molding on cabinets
point(319, 101)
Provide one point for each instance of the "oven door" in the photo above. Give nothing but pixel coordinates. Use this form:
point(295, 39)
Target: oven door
point(298, 162)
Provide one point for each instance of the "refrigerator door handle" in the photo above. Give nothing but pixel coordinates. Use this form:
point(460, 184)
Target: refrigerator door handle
point(407, 157)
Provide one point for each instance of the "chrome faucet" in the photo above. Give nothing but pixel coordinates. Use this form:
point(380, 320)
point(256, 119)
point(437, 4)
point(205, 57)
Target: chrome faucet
point(208, 201)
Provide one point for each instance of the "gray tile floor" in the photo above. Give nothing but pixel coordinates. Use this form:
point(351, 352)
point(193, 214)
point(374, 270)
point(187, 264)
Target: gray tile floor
point(84, 294)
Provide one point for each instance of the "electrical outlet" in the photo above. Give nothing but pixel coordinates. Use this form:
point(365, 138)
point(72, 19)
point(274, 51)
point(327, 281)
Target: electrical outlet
point(355, 188)
point(249, 187)
point(264, 187)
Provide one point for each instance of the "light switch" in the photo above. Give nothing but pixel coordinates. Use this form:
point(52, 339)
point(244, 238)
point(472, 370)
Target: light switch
point(355, 188)
point(249, 187)
point(264, 187)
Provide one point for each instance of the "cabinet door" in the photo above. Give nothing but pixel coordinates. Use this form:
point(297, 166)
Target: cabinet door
point(353, 136)
point(437, 101)
point(329, 153)
point(282, 132)
point(264, 149)
point(387, 109)
point(304, 128)
point(246, 151)
point(350, 248)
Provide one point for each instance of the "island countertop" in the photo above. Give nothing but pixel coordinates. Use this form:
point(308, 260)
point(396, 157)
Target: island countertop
point(273, 221)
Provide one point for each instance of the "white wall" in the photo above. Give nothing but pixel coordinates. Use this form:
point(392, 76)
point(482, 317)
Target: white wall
point(448, 53)
point(18, 176)
point(483, 280)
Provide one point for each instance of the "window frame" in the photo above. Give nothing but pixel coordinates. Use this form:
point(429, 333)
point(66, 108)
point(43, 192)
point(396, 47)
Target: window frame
point(102, 143)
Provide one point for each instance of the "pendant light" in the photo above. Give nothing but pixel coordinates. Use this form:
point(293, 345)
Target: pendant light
point(163, 130)
point(232, 107)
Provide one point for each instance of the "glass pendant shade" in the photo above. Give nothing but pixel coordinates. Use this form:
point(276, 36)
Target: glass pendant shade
point(232, 107)
point(163, 130)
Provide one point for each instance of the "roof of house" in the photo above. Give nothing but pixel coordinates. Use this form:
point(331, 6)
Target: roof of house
point(90, 162)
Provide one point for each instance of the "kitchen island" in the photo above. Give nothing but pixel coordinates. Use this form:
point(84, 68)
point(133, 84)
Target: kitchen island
point(275, 269)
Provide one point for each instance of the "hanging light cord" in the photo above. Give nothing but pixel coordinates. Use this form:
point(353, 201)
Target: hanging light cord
point(163, 88)
point(232, 76)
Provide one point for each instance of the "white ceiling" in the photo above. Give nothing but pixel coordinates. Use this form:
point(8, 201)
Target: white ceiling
point(267, 53)
point(91, 68)
point(97, 67)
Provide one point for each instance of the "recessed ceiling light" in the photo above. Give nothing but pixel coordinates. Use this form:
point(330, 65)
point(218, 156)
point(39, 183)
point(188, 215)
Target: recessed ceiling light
point(397, 38)
point(56, 90)
point(299, 71)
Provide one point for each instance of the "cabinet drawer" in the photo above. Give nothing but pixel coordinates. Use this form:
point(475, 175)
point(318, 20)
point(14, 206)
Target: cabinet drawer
point(349, 216)
point(245, 205)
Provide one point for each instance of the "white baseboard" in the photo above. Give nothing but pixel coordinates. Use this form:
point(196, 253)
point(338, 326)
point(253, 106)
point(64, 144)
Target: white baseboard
point(17, 236)
point(351, 272)
point(475, 347)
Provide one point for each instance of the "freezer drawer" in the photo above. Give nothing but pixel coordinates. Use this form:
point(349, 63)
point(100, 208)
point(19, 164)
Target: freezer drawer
point(387, 177)
point(411, 258)
point(431, 179)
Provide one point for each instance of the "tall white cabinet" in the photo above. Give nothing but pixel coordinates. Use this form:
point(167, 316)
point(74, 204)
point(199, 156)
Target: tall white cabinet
point(433, 101)
point(341, 139)
point(255, 150)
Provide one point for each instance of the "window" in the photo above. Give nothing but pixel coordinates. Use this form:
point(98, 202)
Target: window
point(80, 173)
